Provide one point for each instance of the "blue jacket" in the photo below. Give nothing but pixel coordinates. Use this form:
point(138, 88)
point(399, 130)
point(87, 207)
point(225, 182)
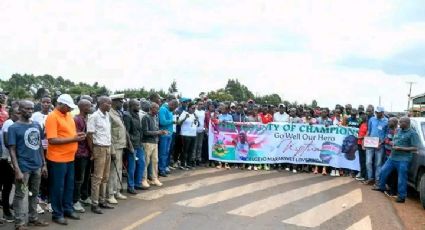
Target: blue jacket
point(378, 127)
point(165, 118)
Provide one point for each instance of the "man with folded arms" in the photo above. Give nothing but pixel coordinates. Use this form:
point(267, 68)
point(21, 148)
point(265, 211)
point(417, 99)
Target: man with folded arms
point(63, 141)
point(99, 136)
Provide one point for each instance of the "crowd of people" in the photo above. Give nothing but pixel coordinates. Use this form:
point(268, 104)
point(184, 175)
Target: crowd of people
point(77, 153)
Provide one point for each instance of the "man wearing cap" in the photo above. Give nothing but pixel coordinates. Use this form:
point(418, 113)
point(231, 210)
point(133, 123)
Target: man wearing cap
point(377, 127)
point(63, 141)
point(166, 122)
point(281, 115)
point(119, 142)
point(99, 139)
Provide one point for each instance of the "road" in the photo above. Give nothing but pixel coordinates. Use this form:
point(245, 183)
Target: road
point(234, 199)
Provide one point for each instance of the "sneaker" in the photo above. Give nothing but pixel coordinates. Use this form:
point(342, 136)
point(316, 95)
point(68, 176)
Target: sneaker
point(9, 218)
point(218, 166)
point(369, 182)
point(255, 168)
point(86, 202)
point(337, 173)
point(145, 184)
point(360, 179)
point(120, 196)
point(249, 168)
point(294, 171)
point(359, 175)
point(288, 169)
point(171, 168)
point(333, 173)
point(400, 200)
point(39, 209)
point(267, 167)
point(78, 207)
point(157, 183)
point(390, 194)
point(226, 166)
point(112, 200)
point(49, 207)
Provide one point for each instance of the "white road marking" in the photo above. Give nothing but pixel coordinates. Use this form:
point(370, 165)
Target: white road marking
point(220, 196)
point(155, 194)
point(316, 216)
point(270, 203)
point(142, 221)
point(363, 224)
point(191, 173)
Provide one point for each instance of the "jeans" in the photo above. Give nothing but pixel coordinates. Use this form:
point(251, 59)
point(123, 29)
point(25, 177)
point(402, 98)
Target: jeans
point(402, 168)
point(115, 174)
point(371, 156)
point(362, 160)
point(61, 187)
point(151, 158)
point(82, 176)
point(135, 168)
point(6, 181)
point(164, 152)
point(197, 156)
point(31, 182)
point(100, 175)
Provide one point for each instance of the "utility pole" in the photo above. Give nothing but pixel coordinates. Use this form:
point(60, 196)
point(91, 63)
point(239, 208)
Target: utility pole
point(379, 100)
point(408, 95)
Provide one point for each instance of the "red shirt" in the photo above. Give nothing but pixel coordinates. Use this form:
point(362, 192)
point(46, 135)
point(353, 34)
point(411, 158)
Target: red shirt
point(266, 118)
point(362, 132)
point(4, 115)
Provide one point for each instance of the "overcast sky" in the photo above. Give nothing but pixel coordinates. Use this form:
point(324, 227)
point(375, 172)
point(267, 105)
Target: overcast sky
point(332, 51)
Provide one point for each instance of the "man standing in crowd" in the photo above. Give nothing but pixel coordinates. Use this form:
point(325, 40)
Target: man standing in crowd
point(6, 171)
point(200, 132)
point(136, 159)
point(119, 143)
point(99, 139)
point(166, 122)
point(41, 116)
point(377, 127)
point(405, 142)
point(369, 111)
point(151, 132)
point(237, 116)
point(281, 115)
point(4, 115)
point(62, 145)
point(24, 139)
point(82, 159)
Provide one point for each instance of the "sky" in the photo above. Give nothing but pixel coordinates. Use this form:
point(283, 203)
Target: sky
point(332, 51)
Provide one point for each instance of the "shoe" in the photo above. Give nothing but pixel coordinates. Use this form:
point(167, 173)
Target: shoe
point(39, 209)
point(360, 179)
point(157, 183)
point(172, 168)
point(226, 166)
point(21, 227)
point(38, 223)
point(333, 173)
point(369, 182)
point(140, 188)
point(287, 169)
point(255, 168)
point(49, 208)
point(78, 207)
point(249, 168)
point(145, 184)
point(294, 171)
point(359, 175)
point(337, 173)
point(218, 166)
point(96, 209)
point(267, 167)
point(86, 202)
point(400, 200)
point(162, 174)
point(72, 216)
point(120, 196)
point(236, 167)
point(9, 218)
point(375, 188)
point(60, 221)
point(390, 194)
point(112, 200)
point(105, 205)
point(131, 191)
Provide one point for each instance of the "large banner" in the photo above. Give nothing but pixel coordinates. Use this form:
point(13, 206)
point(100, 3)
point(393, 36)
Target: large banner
point(258, 143)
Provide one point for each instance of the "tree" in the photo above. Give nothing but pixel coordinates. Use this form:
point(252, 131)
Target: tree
point(238, 91)
point(314, 104)
point(173, 87)
point(220, 95)
point(271, 99)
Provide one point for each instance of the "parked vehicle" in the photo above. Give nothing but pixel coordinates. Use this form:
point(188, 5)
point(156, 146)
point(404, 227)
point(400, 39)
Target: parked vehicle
point(416, 177)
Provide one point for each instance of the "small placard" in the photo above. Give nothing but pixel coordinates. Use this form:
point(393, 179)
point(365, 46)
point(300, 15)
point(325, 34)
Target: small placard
point(371, 142)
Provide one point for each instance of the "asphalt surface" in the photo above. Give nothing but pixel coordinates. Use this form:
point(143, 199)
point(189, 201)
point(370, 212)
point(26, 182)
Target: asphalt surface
point(235, 199)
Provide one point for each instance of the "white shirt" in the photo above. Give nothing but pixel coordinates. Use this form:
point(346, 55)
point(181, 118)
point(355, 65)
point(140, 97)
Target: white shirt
point(99, 124)
point(188, 127)
point(175, 121)
point(278, 117)
point(5, 129)
point(40, 118)
point(201, 118)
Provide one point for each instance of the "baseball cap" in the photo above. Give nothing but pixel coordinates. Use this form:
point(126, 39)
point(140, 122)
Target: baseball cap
point(282, 105)
point(117, 97)
point(379, 109)
point(66, 99)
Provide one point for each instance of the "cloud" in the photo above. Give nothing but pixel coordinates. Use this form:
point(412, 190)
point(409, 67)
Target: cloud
point(334, 52)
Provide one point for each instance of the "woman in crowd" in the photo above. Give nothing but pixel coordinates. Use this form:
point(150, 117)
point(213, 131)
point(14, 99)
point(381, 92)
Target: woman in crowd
point(189, 124)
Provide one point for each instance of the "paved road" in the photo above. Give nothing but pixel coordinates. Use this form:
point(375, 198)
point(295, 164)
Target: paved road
point(235, 199)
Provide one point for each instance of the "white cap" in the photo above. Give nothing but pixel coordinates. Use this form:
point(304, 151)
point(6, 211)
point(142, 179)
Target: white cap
point(380, 109)
point(67, 100)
